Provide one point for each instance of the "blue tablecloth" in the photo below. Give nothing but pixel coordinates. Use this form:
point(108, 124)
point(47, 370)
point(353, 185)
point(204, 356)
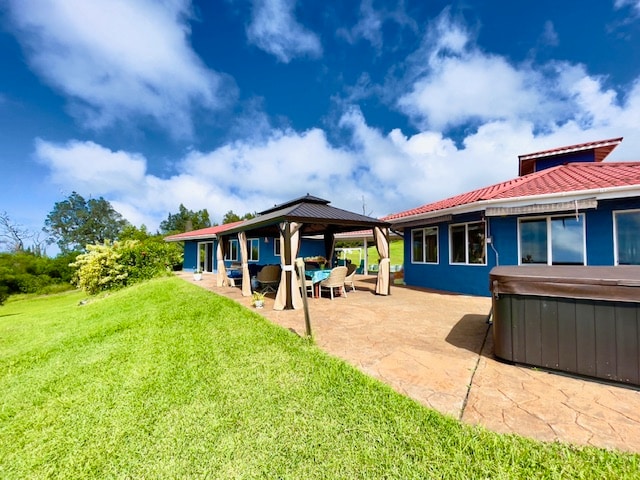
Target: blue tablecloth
point(317, 275)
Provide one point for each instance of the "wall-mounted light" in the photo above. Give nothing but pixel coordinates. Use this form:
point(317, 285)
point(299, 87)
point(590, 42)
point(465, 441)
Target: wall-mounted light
point(266, 239)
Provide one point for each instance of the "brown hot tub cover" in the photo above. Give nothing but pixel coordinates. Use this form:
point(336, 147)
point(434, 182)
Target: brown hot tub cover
point(621, 283)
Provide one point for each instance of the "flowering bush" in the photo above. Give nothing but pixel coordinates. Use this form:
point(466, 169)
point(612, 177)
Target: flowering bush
point(99, 269)
point(109, 266)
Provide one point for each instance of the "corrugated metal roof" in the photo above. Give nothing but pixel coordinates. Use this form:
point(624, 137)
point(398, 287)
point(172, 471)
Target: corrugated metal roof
point(612, 142)
point(600, 148)
point(559, 180)
point(314, 213)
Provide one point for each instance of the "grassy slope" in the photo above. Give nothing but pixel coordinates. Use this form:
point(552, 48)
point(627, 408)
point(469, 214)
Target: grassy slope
point(167, 380)
point(396, 254)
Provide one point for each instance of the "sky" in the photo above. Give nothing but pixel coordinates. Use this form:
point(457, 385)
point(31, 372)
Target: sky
point(376, 106)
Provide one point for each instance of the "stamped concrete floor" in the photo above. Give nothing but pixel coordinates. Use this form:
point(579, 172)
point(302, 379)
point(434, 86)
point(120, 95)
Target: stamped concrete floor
point(438, 349)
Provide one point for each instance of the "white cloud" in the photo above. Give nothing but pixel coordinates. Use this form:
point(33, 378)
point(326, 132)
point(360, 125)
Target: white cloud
point(635, 4)
point(517, 109)
point(92, 167)
point(275, 30)
point(451, 83)
point(118, 60)
point(391, 171)
point(549, 34)
point(371, 21)
point(477, 88)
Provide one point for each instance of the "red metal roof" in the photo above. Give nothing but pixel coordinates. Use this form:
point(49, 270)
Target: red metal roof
point(202, 233)
point(600, 148)
point(571, 177)
point(612, 142)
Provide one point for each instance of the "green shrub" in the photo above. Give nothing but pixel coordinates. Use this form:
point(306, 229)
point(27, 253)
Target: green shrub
point(26, 272)
point(109, 266)
point(146, 259)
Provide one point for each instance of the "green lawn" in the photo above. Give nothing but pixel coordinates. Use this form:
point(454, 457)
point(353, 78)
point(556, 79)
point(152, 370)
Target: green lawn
point(396, 254)
point(167, 380)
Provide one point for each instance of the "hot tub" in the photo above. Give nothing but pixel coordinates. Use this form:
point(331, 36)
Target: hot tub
point(581, 320)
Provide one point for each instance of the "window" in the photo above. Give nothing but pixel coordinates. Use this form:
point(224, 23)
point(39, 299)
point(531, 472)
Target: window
point(253, 248)
point(627, 240)
point(425, 245)
point(276, 247)
point(467, 244)
point(232, 253)
point(552, 240)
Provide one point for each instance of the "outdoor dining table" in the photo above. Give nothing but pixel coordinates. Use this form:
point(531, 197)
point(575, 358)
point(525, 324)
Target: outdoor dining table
point(316, 276)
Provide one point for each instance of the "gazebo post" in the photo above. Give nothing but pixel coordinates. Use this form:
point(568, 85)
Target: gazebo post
point(287, 261)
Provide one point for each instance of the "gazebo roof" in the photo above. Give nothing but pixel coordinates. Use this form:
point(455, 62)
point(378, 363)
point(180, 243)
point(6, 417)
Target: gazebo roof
point(315, 213)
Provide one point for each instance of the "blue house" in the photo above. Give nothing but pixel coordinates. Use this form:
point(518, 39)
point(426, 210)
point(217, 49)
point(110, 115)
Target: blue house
point(567, 207)
point(303, 227)
point(200, 249)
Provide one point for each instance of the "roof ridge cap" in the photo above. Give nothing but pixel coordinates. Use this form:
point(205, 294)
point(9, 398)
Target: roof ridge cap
point(515, 182)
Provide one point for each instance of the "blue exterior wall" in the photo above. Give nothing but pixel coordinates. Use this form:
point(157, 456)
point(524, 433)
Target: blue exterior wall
point(474, 279)
point(190, 261)
point(544, 163)
point(266, 255)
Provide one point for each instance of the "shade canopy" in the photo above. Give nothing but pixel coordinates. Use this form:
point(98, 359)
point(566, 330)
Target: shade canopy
point(315, 214)
point(307, 216)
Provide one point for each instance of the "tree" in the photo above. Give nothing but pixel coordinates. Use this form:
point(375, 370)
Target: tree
point(185, 220)
point(75, 223)
point(231, 217)
point(12, 235)
point(131, 232)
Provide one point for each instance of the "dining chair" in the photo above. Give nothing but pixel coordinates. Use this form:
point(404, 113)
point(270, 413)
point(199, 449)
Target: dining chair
point(350, 277)
point(335, 280)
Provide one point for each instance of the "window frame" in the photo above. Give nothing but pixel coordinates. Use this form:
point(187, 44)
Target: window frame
point(228, 254)
point(616, 252)
point(549, 237)
point(250, 241)
point(434, 232)
point(466, 243)
point(276, 247)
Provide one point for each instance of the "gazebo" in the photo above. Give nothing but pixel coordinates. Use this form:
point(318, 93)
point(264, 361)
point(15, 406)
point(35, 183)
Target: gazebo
point(307, 216)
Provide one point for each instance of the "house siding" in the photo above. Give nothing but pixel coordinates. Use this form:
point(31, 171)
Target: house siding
point(190, 261)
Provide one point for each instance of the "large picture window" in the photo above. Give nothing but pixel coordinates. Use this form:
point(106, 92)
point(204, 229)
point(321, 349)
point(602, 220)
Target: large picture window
point(627, 237)
point(467, 244)
point(425, 245)
point(552, 240)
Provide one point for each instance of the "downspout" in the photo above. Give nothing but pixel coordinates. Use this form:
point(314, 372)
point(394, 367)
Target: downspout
point(491, 243)
point(490, 315)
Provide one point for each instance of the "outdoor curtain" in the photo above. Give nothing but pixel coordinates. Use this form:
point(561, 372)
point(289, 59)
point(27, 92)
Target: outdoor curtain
point(329, 246)
point(246, 281)
point(288, 277)
point(221, 279)
point(381, 237)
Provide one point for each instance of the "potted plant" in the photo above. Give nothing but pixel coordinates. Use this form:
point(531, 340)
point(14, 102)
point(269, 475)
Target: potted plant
point(197, 274)
point(258, 299)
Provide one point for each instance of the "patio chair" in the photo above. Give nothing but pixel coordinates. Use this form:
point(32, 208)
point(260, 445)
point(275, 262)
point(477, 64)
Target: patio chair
point(335, 280)
point(268, 278)
point(350, 277)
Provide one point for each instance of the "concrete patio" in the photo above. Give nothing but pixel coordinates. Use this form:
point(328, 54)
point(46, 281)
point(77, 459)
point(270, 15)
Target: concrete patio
point(438, 349)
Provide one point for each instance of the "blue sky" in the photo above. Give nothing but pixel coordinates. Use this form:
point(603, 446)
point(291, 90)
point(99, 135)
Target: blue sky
point(239, 105)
